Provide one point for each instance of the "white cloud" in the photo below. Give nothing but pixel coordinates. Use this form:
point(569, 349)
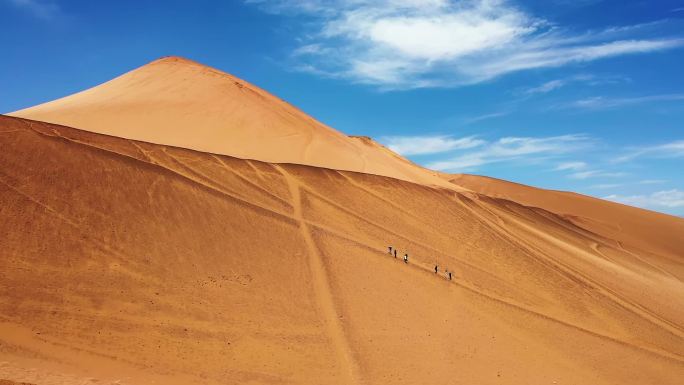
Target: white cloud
point(43, 9)
point(571, 166)
point(668, 150)
point(418, 145)
point(599, 102)
point(514, 149)
point(596, 174)
point(551, 52)
point(662, 199)
point(672, 149)
point(547, 87)
point(412, 43)
point(448, 35)
point(606, 186)
point(587, 79)
point(480, 118)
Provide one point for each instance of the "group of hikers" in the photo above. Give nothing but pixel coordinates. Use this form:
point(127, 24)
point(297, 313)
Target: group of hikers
point(392, 250)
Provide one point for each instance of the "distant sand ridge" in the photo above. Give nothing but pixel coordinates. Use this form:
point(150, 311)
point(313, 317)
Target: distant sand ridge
point(131, 261)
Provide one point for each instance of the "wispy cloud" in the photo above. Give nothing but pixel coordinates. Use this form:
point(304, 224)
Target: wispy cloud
point(606, 186)
point(480, 118)
point(438, 43)
point(658, 200)
point(600, 102)
point(673, 149)
point(514, 149)
point(571, 166)
point(420, 145)
point(596, 174)
point(42, 9)
point(547, 87)
point(587, 79)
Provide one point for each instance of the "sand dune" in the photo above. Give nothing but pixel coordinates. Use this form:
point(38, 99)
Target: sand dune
point(647, 231)
point(144, 263)
point(178, 102)
point(218, 235)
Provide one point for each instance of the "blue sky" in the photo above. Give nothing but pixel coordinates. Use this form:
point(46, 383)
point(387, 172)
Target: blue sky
point(584, 95)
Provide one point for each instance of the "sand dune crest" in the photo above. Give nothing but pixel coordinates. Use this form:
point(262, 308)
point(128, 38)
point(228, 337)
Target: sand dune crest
point(178, 102)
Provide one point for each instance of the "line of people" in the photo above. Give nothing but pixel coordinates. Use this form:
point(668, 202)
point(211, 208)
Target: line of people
point(392, 250)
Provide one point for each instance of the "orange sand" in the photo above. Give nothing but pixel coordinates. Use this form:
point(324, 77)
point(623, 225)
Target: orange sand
point(142, 263)
point(645, 230)
point(178, 102)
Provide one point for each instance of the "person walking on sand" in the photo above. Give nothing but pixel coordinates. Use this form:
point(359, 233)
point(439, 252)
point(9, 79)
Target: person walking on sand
point(449, 276)
point(436, 269)
point(390, 250)
point(405, 258)
point(395, 253)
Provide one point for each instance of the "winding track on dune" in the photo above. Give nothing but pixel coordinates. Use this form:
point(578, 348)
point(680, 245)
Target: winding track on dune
point(596, 247)
point(636, 309)
point(349, 368)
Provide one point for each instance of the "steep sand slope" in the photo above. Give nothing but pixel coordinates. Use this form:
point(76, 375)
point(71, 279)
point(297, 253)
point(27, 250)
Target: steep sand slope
point(178, 102)
point(141, 263)
point(647, 231)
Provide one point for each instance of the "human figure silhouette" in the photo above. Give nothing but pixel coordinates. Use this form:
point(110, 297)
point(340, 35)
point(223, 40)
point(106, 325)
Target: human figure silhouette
point(390, 249)
point(436, 269)
point(395, 253)
point(405, 258)
point(449, 276)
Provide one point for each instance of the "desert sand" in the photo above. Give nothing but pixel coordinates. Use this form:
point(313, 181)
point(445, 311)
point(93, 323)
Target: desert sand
point(136, 262)
point(641, 229)
point(179, 102)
